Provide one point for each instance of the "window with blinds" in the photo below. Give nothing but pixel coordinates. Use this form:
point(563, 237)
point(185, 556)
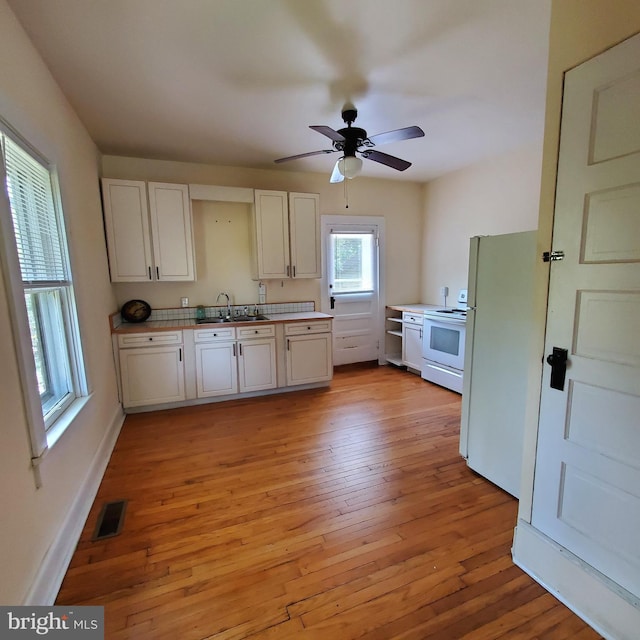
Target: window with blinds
point(45, 278)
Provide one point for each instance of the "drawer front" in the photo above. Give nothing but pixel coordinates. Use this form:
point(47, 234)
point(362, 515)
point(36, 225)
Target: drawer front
point(149, 339)
point(259, 331)
point(412, 318)
point(213, 335)
point(313, 326)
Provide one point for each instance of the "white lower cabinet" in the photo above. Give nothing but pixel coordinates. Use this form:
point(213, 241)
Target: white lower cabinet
point(257, 364)
point(216, 369)
point(231, 360)
point(308, 352)
point(412, 340)
point(151, 368)
point(174, 366)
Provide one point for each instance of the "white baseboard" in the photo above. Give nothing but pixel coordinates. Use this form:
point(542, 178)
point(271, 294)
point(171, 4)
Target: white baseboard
point(613, 612)
point(46, 584)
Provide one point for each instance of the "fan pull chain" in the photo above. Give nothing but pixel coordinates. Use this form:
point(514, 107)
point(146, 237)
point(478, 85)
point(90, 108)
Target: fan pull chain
point(346, 193)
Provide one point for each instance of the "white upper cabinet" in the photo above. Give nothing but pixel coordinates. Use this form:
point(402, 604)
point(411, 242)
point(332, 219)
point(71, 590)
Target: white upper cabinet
point(304, 235)
point(148, 239)
point(171, 230)
point(287, 237)
point(126, 221)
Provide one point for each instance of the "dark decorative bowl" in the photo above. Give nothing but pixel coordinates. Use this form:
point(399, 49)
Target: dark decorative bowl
point(135, 311)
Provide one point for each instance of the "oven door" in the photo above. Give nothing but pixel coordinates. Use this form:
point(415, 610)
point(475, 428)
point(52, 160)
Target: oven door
point(443, 341)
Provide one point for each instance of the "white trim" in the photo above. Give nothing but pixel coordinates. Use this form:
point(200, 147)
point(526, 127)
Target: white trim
point(45, 586)
point(378, 222)
point(216, 193)
point(613, 612)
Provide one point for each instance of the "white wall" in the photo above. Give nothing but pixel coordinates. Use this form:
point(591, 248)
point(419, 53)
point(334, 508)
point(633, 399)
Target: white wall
point(32, 103)
point(399, 202)
point(496, 196)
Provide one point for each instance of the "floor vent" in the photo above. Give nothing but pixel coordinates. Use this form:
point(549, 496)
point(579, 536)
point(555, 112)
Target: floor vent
point(110, 520)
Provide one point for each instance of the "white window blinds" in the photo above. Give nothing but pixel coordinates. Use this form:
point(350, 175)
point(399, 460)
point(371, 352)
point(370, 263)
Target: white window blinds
point(36, 225)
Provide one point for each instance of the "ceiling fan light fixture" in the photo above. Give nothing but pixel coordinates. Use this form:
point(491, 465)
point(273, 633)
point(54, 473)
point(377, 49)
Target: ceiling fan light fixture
point(350, 166)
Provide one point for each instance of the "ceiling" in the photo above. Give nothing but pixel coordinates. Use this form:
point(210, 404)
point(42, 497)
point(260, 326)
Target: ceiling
point(238, 82)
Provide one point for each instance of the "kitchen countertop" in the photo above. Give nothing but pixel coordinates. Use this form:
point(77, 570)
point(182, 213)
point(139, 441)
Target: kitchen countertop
point(416, 307)
point(179, 323)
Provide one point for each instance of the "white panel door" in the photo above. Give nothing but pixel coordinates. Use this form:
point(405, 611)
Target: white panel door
point(353, 289)
point(587, 478)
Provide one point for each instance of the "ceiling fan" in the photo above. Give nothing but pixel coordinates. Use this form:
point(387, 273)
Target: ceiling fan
point(352, 140)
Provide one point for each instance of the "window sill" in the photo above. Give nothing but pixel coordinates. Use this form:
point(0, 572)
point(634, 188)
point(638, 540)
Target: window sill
point(65, 420)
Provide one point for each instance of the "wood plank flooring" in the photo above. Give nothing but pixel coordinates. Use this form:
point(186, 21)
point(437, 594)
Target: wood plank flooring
point(339, 513)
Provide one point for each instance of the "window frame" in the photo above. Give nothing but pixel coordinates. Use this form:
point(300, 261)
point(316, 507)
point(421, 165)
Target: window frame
point(44, 431)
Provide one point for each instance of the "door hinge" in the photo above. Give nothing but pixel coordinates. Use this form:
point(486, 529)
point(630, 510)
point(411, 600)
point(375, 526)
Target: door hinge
point(552, 256)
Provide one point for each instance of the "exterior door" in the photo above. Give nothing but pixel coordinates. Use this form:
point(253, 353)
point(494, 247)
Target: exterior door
point(352, 292)
point(587, 480)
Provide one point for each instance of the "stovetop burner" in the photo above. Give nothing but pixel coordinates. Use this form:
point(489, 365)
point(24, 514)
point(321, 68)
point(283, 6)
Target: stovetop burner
point(459, 312)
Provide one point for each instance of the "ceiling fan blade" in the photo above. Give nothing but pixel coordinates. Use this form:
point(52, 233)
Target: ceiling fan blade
point(385, 158)
point(397, 134)
point(305, 155)
point(336, 176)
point(328, 131)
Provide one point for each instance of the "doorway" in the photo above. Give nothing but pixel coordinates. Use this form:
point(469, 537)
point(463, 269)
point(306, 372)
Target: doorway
point(352, 285)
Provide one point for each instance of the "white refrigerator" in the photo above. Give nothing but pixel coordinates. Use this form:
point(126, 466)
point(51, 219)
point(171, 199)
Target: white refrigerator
point(497, 355)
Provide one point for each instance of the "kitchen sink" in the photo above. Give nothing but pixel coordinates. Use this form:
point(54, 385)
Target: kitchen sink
point(219, 320)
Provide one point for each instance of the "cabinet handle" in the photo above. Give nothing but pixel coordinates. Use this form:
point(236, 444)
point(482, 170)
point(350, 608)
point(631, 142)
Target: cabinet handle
point(158, 273)
point(288, 344)
point(149, 272)
point(180, 352)
point(240, 347)
point(288, 270)
point(234, 349)
point(294, 270)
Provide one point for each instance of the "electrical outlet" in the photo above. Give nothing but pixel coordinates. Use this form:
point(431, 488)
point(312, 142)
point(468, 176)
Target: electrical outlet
point(184, 302)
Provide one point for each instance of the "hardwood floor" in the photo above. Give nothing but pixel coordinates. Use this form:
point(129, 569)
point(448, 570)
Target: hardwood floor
point(339, 513)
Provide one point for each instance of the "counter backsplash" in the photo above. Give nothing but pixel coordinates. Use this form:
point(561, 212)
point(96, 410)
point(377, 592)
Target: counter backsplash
point(189, 313)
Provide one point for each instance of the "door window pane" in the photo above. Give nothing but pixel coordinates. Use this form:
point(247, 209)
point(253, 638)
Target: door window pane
point(352, 262)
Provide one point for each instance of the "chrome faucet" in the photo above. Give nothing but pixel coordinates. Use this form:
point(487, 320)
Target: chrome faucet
point(228, 302)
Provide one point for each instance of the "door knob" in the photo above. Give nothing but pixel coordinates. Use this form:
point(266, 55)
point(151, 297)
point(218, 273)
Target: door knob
point(558, 361)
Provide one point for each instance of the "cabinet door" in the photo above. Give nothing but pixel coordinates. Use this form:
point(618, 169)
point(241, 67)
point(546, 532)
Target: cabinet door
point(257, 364)
point(412, 346)
point(304, 235)
point(152, 375)
point(126, 221)
point(272, 234)
point(171, 230)
point(309, 358)
point(216, 369)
